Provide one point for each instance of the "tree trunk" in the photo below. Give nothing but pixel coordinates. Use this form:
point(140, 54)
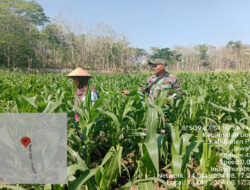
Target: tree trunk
point(8, 58)
point(29, 63)
point(14, 60)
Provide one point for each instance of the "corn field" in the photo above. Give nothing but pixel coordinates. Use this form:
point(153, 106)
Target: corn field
point(125, 142)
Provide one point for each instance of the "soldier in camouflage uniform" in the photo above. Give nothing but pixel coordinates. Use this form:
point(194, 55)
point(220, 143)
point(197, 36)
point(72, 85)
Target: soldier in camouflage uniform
point(166, 83)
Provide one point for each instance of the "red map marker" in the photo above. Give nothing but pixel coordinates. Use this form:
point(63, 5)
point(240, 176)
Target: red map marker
point(25, 141)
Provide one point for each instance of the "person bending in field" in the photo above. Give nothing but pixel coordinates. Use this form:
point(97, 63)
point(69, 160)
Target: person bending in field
point(80, 79)
point(161, 81)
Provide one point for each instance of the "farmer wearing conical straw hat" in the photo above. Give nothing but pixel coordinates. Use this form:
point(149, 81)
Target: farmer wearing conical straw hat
point(80, 79)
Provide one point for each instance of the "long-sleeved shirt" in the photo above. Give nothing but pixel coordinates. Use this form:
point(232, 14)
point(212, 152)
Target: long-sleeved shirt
point(169, 84)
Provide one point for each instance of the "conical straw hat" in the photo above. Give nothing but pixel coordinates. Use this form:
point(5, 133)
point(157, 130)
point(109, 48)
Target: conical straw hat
point(79, 72)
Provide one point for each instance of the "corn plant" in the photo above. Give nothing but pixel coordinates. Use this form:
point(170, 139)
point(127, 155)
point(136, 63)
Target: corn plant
point(122, 144)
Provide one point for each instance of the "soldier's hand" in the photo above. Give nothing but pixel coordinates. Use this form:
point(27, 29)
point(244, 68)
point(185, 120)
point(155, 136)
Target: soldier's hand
point(166, 102)
point(125, 92)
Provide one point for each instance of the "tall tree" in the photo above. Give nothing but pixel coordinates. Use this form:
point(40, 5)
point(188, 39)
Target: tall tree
point(203, 53)
point(171, 57)
point(18, 21)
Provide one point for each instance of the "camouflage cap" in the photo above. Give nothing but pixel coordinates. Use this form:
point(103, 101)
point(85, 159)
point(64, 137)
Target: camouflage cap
point(157, 61)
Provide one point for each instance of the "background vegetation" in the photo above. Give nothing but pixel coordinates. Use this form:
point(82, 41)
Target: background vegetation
point(125, 142)
point(29, 39)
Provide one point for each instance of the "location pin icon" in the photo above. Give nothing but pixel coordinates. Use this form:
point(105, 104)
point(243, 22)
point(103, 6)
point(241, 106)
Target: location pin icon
point(27, 142)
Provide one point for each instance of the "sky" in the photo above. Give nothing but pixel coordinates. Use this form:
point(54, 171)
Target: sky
point(161, 23)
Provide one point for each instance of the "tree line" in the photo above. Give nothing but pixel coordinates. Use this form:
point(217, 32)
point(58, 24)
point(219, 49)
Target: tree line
point(29, 39)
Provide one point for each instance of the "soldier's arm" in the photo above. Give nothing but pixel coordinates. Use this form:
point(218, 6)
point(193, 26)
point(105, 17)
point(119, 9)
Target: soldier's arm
point(144, 88)
point(125, 92)
point(140, 90)
point(172, 87)
point(178, 92)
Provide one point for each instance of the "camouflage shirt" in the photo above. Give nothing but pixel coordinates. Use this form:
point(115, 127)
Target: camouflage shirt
point(169, 84)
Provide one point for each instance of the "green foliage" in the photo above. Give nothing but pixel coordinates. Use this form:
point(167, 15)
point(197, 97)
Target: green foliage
point(18, 32)
point(203, 53)
point(30, 10)
point(122, 141)
point(171, 57)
